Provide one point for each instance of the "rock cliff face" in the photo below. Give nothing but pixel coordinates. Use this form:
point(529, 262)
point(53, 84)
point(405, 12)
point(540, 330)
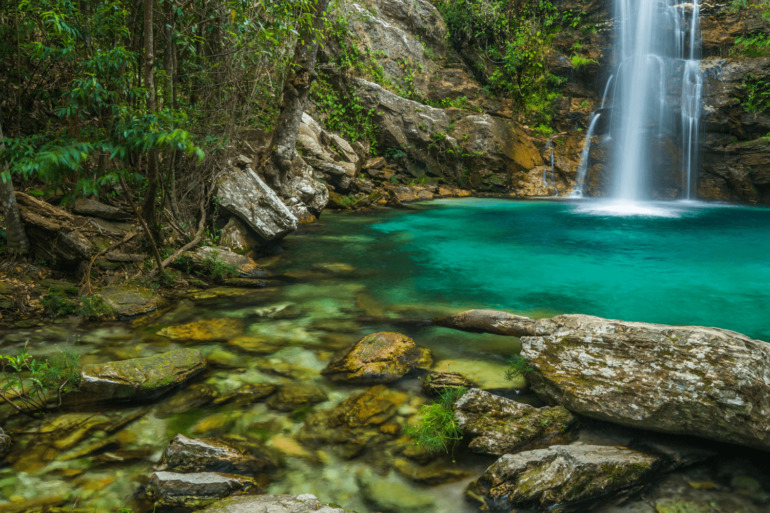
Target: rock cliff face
point(436, 123)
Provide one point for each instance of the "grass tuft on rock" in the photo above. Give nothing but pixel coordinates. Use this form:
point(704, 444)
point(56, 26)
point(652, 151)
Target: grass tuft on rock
point(438, 429)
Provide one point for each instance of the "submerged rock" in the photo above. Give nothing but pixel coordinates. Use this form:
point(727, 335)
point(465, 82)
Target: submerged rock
point(205, 330)
point(378, 358)
point(434, 473)
point(273, 504)
point(559, 475)
point(172, 489)
point(437, 382)
point(296, 395)
point(207, 455)
point(140, 378)
point(354, 424)
point(500, 426)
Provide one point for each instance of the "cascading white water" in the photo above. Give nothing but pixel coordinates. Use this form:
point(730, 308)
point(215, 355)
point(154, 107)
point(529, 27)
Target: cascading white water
point(656, 88)
point(583, 166)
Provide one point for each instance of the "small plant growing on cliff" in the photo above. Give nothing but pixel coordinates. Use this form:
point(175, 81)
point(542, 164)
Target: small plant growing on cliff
point(28, 383)
point(517, 367)
point(438, 430)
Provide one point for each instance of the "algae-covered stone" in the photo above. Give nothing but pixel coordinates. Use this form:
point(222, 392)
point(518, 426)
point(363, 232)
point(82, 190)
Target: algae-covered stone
point(486, 374)
point(378, 358)
point(130, 300)
point(204, 257)
point(172, 489)
point(273, 504)
point(140, 378)
point(500, 426)
point(355, 423)
point(558, 475)
point(205, 330)
point(207, 455)
point(257, 344)
point(296, 395)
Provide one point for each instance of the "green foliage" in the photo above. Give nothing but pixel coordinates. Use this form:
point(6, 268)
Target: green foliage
point(517, 367)
point(94, 307)
point(57, 302)
point(514, 36)
point(438, 430)
point(213, 269)
point(756, 45)
point(578, 61)
point(28, 383)
point(342, 112)
point(757, 94)
point(544, 130)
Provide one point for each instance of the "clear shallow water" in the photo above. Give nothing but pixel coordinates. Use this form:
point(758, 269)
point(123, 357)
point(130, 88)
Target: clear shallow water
point(673, 263)
point(351, 275)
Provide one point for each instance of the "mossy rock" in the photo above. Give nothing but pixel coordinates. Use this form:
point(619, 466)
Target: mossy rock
point(130, 300)
point(140, 378)
point(378, 358)
point(296, 395)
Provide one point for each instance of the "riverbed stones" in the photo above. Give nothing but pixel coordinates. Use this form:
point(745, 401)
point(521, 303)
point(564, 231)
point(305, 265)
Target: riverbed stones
point(173, 489)
point(139, 378)
point(559, 475)
point(273, 504)
point(692, 380)
point(381, 357)
point(186, 454)
point(501, 426)
point(356, 423)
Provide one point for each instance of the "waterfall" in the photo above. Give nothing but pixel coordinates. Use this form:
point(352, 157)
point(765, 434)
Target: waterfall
point(655, 89)
point(583, 167)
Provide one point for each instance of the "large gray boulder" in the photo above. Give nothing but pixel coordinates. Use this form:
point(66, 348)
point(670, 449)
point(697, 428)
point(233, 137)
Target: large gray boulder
point(559, 475)
point(139, 378)
point(691, 380)
point(244, 194)
point(500, 426)
point(273, 504)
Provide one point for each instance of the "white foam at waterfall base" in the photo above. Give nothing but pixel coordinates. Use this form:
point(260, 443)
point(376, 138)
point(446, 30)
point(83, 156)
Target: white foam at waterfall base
point(621, 208)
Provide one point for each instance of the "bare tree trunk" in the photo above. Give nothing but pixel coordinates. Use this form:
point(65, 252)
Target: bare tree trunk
point(15, 236)
point(295, 94)
point(148, 207)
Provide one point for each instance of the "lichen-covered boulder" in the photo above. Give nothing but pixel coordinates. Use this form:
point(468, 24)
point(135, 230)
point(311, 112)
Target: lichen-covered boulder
point(207, 455)
point(244, 194)
point(172, 489)
point(500, 426)
point(559, 475)
point(273, 504)
point(356, 423)
point(378, 358)
point(139, 378)
point(691, 380)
